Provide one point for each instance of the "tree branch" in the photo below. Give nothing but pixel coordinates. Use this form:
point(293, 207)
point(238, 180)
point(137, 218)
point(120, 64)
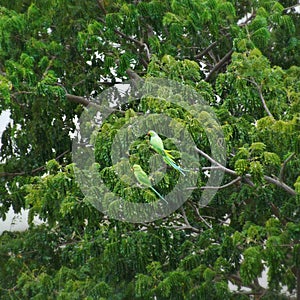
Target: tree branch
point(219, 65)
point(140, 44)
point(77, 99)
point(217, 187)
point(258, 87)
point(199, 215)
point(248, 19)
point(281, 185)
point(202, 53)
point(269, 179)
point(291, 7)
point(186, 221)
point(132, 75)
point(220, 166)
point(281, 174)
point(101, 6)
point(32, 172)
point(256, 288)
point(222, 186)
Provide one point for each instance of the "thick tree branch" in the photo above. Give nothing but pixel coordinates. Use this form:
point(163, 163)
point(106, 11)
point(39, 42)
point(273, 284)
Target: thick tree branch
point(101, 6)
point(202, 53)
point(219, 65)
point(256, 288)
point(281, 185)
point(248, 19)
point(132, 75)
point(77, 99)
point(291, 7)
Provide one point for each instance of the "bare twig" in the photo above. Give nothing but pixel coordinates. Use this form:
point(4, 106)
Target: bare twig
point(185, 217)
point(201, 218)
point(207, 187)
point(222, 186)
point(21, 93)
point(36, 170)
point(141, 44)
point(220, 166)
point(248, 177)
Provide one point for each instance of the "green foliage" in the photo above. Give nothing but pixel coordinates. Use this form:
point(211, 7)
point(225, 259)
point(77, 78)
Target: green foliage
point(55, 55)
point(252, 266)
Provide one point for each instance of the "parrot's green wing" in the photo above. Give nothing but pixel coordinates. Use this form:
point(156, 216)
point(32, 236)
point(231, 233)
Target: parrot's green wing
point(143, 179)
point(141, 176)
point(156, 142)
point(158, 145)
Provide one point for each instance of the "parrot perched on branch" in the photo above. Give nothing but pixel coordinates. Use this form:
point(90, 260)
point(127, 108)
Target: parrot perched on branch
point(157, 144)
point(144, 180)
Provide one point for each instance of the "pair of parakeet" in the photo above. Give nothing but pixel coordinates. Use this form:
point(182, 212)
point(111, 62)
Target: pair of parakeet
point(157, 144)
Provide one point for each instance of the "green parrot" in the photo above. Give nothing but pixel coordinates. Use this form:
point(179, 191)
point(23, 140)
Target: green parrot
point(144, 180)
point(157, 144)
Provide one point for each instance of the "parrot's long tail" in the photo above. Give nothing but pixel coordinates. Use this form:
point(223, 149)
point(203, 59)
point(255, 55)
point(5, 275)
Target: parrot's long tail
point(158, 194)
point(172, 163)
